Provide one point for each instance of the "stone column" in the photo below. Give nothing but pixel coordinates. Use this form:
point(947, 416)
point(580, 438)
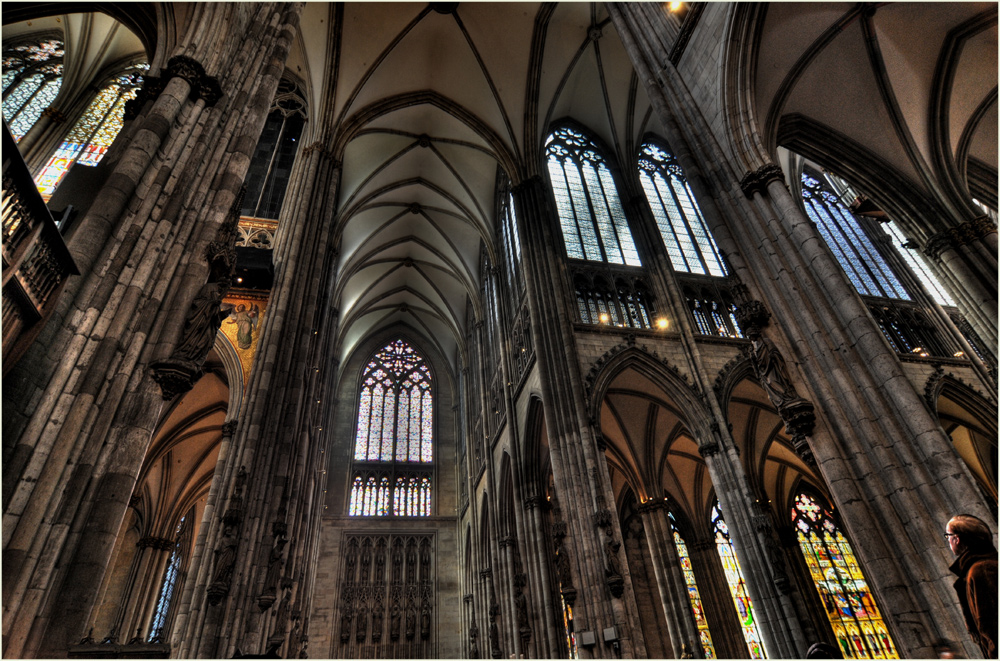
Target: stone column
point(578, 466)
point(669, 579)
point(877, 446)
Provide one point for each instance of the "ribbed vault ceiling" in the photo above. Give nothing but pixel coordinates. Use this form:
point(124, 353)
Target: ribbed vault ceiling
point(429, 101)
point(914, 82)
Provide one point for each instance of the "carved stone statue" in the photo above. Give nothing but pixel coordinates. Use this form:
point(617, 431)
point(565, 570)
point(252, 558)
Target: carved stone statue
point(411, 623)
point(611, 555)
point(377, 623)
point(394, 617)
point(201, 324)
point(425, 621)
point(772, 372)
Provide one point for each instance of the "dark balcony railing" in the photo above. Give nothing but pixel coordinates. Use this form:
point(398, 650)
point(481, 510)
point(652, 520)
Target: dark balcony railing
point(36, 262)
point(612, 295)
point(909, 329)
point(710, 304)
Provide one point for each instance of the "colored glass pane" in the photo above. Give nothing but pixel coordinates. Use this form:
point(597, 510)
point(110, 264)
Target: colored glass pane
point(395, 425)
point(591, 216)
point(704, 637)
point(865, 267)
point(685, 234)
point(32, 76)
point(167, 587)
point(737, 585)
point(91, 136)
point(849, 604)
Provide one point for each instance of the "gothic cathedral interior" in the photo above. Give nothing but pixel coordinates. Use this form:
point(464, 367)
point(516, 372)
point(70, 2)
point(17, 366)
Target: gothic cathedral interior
point(495, 330)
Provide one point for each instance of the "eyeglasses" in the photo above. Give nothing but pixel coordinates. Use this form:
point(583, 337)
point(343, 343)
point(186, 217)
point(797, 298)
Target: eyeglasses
point(949, 535)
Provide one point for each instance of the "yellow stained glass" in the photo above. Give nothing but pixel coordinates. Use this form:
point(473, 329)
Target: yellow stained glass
point(849, 604)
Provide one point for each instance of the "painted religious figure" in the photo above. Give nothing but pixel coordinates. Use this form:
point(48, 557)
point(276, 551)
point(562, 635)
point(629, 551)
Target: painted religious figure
point(246, 323)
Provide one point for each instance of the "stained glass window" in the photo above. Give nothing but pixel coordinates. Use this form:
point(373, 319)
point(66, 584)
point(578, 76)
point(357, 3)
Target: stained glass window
point(395, 427)
point(271, 165)
point(692, 588)
point(591, 215)
point(89, 139)
point(167, 587)
point(863, 264)
point(737, 585)
point(32, 76)
point(850, 606)
point(689, 243)
point(917, 264)
point(512, 249)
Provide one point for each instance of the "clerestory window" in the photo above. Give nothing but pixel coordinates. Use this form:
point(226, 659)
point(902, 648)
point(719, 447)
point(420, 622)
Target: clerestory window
point(593, 221)
point(394, 445)
point(271, 165)
point(92, 135)
point(685, 234)
point(863, 264)
point(32, 76)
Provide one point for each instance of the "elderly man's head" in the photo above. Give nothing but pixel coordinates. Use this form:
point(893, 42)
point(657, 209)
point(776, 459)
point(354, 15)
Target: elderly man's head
point(965, 531)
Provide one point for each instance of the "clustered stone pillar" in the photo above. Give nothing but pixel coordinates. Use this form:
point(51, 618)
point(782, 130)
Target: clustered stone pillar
point(865, 405)
point(165, 198)
point(605, 596)
point(669, 577)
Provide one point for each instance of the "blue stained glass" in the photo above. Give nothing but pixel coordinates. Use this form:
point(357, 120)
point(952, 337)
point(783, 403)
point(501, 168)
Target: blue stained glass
point(167, 587)
point(592, 219)
point(867, 270)
point(685, 234)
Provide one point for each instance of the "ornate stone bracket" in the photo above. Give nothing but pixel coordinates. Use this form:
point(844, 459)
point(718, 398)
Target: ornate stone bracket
point(757, 181)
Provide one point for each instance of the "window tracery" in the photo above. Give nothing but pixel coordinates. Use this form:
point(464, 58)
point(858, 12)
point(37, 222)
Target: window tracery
point(271, 165)
point(394, 447)
point(593, 221)
point(32, 77)
point(685, 234)
point(92, 135)
point(168, 586)
point(704, 636)
point(625, 303)
point(737, 585)
point(850, 606)
point(866, 268)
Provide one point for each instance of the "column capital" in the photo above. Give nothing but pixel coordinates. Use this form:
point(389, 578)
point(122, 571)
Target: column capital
point(757, 181)
point(708, 449)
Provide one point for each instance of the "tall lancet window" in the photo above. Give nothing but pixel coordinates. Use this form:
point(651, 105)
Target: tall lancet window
point(737, 585)
point(271, 165)
point(32, 76)
point(689, 244)
point(865, 267)
point(89, 139)
point(591, 215)
point(849, 604)
point(704, 637)
point(168, 587)
point(394, 449)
